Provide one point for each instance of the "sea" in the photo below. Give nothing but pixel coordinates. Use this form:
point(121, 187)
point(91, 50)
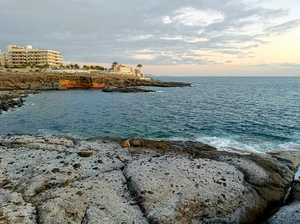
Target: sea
point(256, 114)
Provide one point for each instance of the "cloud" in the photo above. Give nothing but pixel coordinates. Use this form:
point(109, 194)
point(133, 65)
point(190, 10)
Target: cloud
point(194, 17)
point(139, 31)
point(281, 28)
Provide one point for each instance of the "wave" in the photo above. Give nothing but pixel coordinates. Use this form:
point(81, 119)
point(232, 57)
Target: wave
point(231, 144)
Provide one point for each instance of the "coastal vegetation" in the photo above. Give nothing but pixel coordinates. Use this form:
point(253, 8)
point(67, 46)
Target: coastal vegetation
point(139, 66)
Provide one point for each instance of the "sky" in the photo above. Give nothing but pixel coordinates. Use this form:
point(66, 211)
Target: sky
point(168, 37)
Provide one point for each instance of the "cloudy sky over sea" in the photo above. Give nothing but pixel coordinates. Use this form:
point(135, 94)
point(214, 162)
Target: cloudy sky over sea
point(195, 37)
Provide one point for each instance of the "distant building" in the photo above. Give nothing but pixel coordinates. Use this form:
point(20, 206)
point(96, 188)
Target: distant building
point(122, 69)
point(2, 58)
point(138, 73)
point(24, 56)
point(125, 70)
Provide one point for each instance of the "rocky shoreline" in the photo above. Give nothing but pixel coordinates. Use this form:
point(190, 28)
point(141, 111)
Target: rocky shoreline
point(57, 179)
point(53, 81)
point(13, 99)
point(125, 89)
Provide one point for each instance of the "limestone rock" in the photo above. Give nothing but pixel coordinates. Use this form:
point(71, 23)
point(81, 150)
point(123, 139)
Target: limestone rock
point(181, 190)
point(100, 199)
point(13, 209)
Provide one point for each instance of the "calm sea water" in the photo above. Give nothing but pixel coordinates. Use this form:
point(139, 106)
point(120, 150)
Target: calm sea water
point(258, 114)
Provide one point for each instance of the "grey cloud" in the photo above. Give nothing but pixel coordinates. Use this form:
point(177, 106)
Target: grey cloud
point(281, 28)
point(103, 31)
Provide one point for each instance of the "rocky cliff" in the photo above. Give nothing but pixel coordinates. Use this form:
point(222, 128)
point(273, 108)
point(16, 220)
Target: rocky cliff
point(54, 81)
point(46, 179)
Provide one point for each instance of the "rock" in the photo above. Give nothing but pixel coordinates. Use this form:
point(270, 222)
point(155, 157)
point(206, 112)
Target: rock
point(288, 214)
point(125, 89)
point(126, 144)
point(85, 154)
point(102, 199)
point(58, 210)
point(13, 99)
point(13, 208)
point(136, 142)
point(181, 190)
point(154, 182)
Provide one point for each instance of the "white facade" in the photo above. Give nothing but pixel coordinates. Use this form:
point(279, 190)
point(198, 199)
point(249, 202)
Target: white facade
point(24, 56)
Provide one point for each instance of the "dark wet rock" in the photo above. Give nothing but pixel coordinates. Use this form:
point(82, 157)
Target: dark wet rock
point(125, 89)
point(13, 99)
point(290, 212)
point(136, 142)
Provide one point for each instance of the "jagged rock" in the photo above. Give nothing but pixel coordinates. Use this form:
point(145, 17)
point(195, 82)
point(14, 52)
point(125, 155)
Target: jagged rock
point(12, 99)
point(137, 142)
point(290, 213)
point(126, 144)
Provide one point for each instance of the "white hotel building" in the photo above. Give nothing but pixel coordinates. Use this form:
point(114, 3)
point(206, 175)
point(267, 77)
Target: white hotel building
point(19, 56)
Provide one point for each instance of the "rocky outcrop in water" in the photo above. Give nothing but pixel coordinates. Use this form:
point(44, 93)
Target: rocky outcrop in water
point(46, 179)
point(13, 99)
point(125, 89)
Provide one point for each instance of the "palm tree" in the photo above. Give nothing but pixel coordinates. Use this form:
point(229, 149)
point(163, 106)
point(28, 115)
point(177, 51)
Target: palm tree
point(76, 66)
point(86, 67)
point(114, 65)
point(139, 66)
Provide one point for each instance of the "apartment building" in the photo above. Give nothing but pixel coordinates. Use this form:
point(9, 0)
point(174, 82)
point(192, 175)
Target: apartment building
point(21, 56)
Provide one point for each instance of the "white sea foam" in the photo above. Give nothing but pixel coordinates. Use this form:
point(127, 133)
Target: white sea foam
point(297, 174)
point(231, 144)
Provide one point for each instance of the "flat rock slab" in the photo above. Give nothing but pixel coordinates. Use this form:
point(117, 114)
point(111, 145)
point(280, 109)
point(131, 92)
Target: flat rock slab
point(57, 179)
point(182, 190)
